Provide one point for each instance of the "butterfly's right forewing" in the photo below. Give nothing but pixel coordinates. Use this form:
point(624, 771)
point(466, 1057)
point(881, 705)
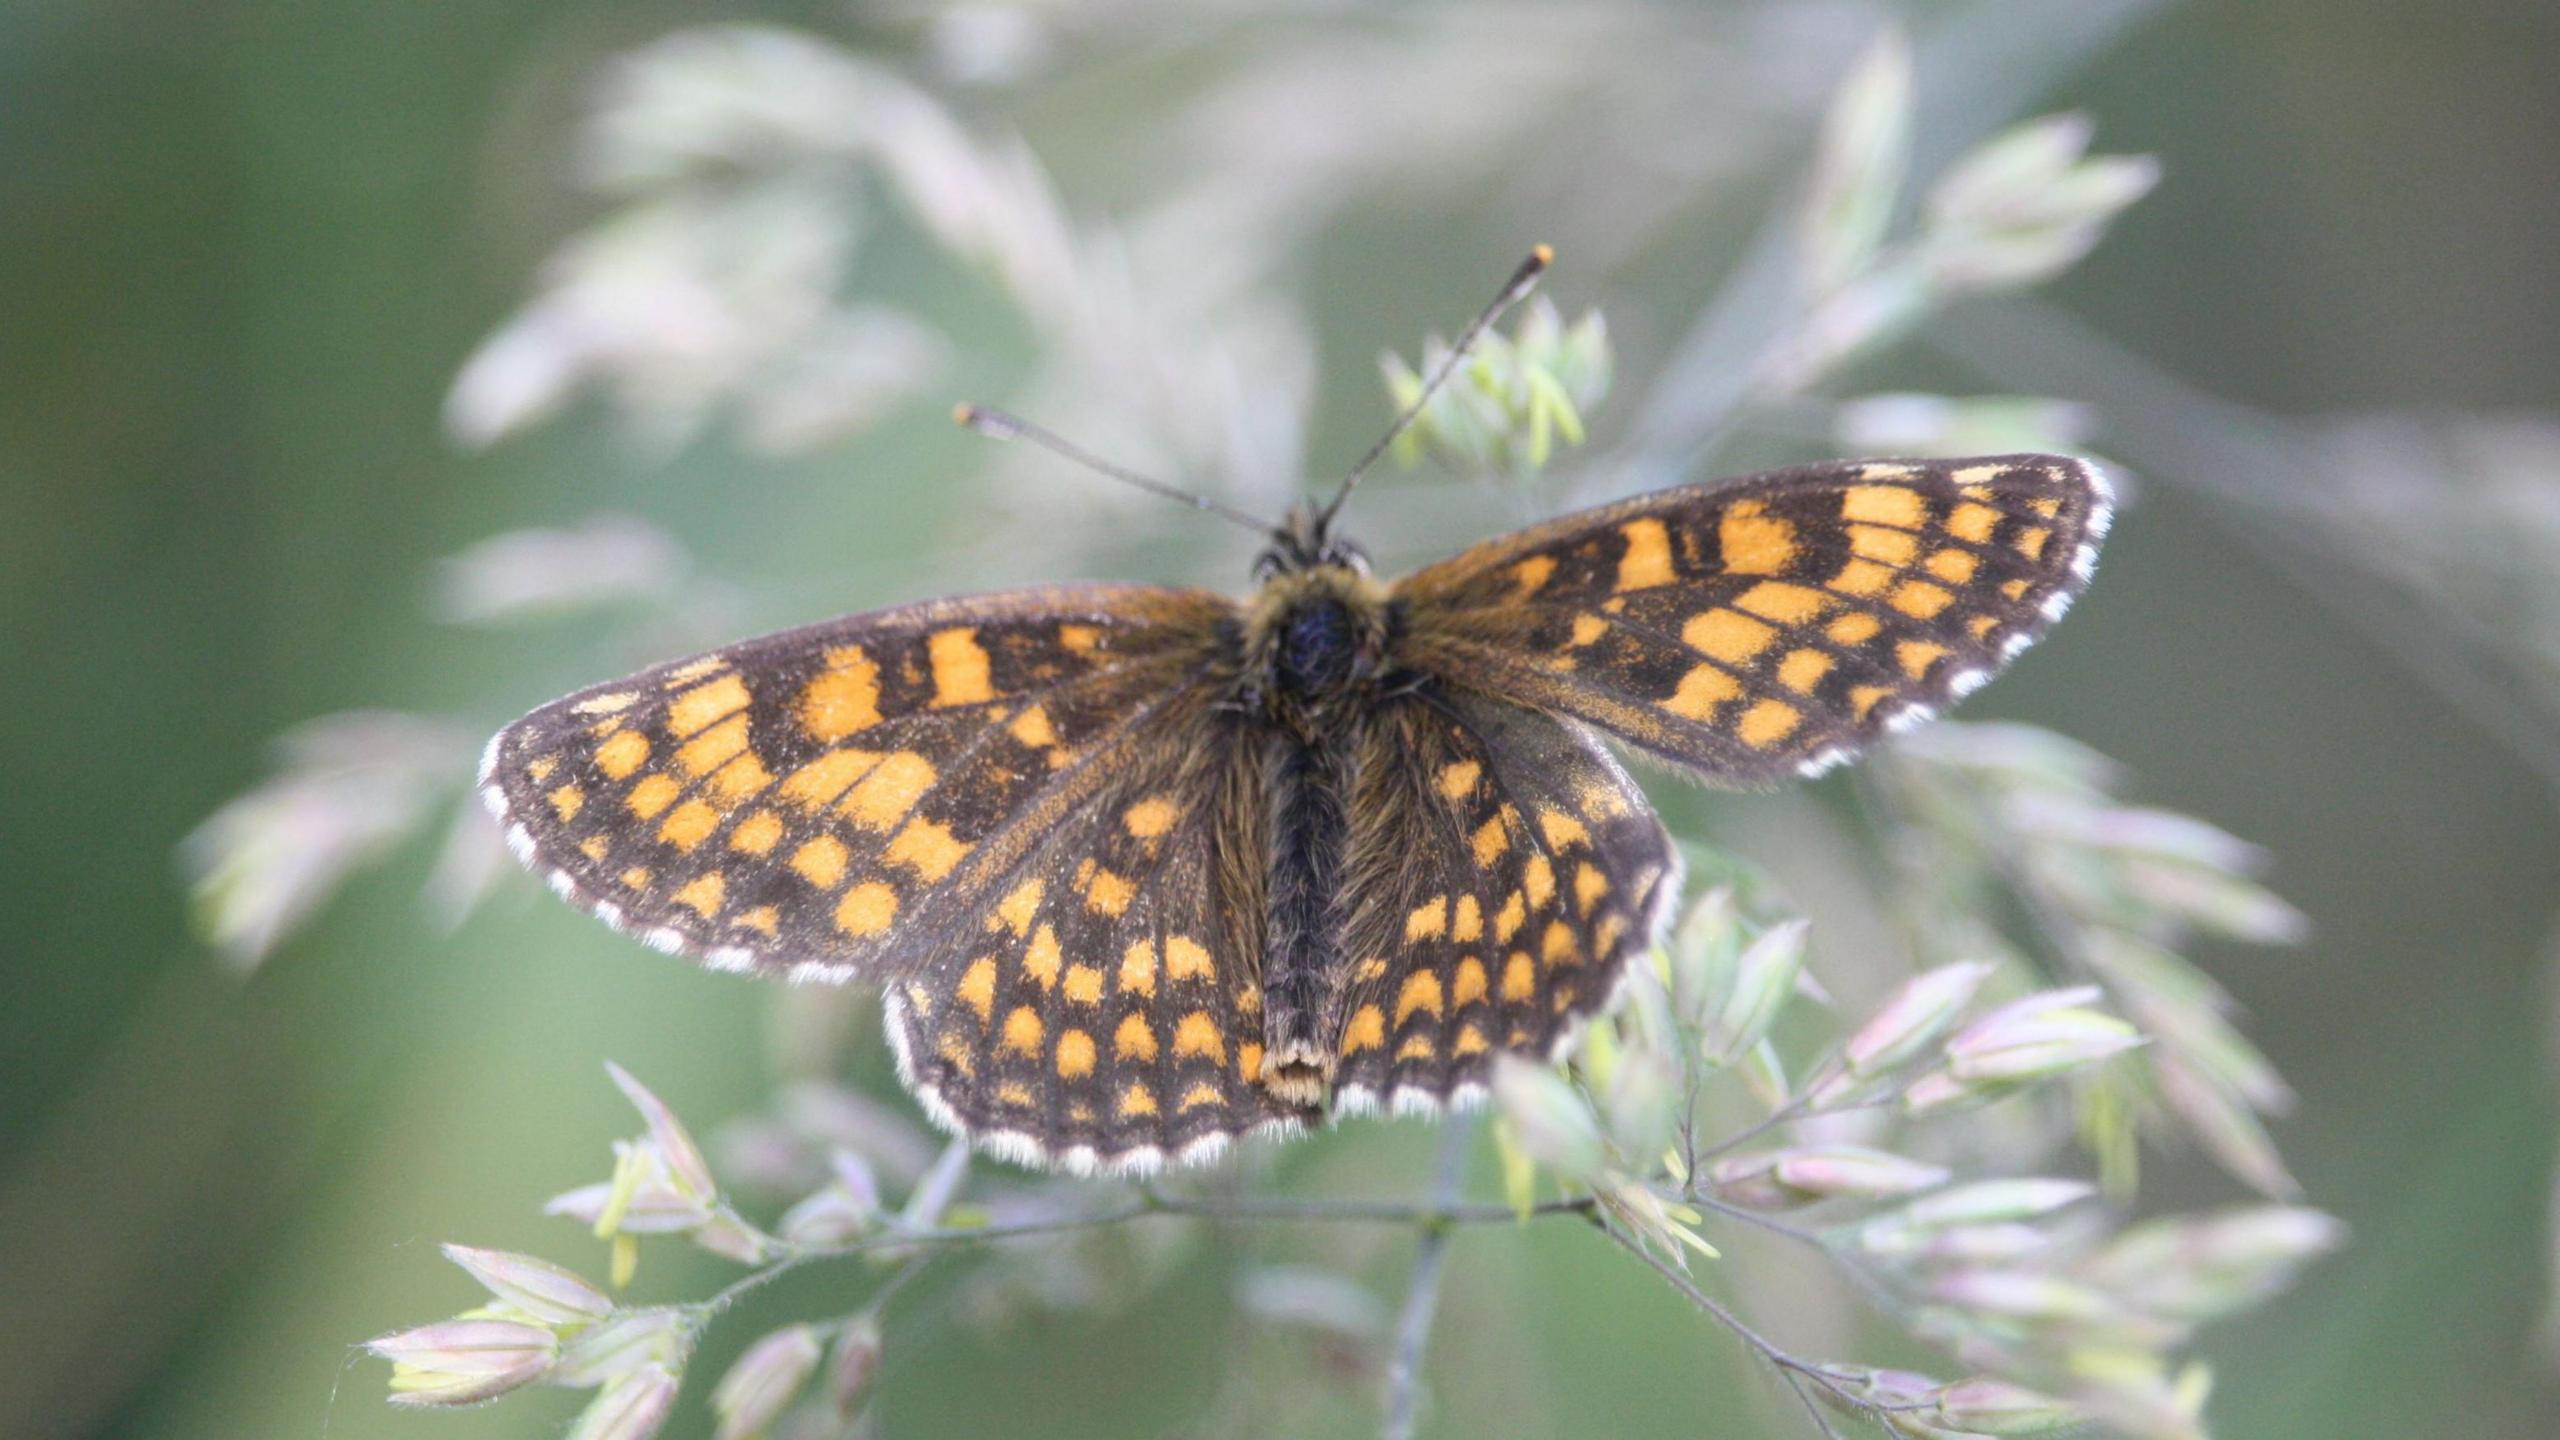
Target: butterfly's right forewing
point(1755, 629)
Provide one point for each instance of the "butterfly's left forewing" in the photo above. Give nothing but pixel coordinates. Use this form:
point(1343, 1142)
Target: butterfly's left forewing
point(1771, 626)
point(836, 800)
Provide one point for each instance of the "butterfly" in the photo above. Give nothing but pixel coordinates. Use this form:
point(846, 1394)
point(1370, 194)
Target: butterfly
point(1138, 869)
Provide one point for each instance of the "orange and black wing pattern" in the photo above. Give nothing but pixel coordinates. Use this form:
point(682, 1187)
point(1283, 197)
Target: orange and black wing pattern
point(1751, 630)
point(1502, 869)
point(843, 799)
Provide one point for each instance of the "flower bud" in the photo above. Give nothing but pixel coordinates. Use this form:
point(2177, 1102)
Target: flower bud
point(463, 1362)
point(1778, 1179)
point(764, 1381)
point(1553, 1123)
point(684, 1163)
point(623, 1345)
point(1994, 1407)
point(536, 1288)
point(2037, 1038)
point(857, 1362)
point(2198, 1268)
point(634, 1407)
point(1922, 1010)
point(1764, 976)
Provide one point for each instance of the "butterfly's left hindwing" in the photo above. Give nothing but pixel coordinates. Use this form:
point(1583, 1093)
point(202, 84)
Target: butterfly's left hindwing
point(834, 800)
point(1755, 629)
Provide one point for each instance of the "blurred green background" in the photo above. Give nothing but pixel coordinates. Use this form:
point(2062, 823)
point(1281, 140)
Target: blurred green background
point(245, 246)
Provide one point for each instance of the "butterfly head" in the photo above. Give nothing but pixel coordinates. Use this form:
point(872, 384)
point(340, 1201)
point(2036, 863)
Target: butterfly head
point(1305, 541)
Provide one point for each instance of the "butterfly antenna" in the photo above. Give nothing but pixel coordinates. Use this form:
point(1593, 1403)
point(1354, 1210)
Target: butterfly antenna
point(1514, 290)
point(999, 425)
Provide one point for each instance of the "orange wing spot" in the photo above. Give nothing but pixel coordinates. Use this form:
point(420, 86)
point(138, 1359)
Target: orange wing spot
point(1531, 575)
point(1587, 628)
point(1137, 1100)
point(1726, 634)
point(1884, 505)
point(1471, 1040)
point(622, 753)
point(884, 796)
point(1468, 923)
point(1974, 523)
point(1491, 839)
point(613, 704)
point(1031, 727)
point(1865, 698)
point(594, 847)
point(1134, 1040)
point(540, 770)
point(1083, 985)
point(704, 704)
point(636, 878)
point(1916, 656)
point(567, 801)
point(1015, 910)
point(1563, 997)
point(1198, 1095)
point(1248, 1061)
point(757, 834)
point(1519, 977)
point(1417, 1047)
point(1767, 723)
point(1604, 936)
point(1563, 831)
point(717, 746)
point(1755, 542)
point(1557, 946)
point(1803, 669)
point(1249, 999)
point(977, 988)
point(1367, 1031)
point(1075, 1055)
point(741, 779)
point(866, 909)
point(1373, 968)
point(960, 668)
point(1956, 567)
point(1855, 628)
point(1151, 817)
point(1921, 600)
point(1539, 879)
point(1862, 577)
point(1109, 893)
point(1428, 920)
point(1588, 886)
point(2030, 541)
point(1891, 547)
point(954, 1051)
point(1138, 968)
point(1458, 778)
point(843, 698)
point(2047, 506)
point(689, 824)
point(653, 794)
point(1981, 626)
point(1787, 604)
point(1023, 1030)
point(1469, 984)
point(1041, 958)
point(1647, 561)
point(2016, 589)
point(1198, 1035)
point(1421, 992)
point(1701, 691)
point(763, 919)
point(703, 893)
point(926, 847)
point(822, 862)
point(819, 782)
point(1080, 639)
point(1507, 923)
point(1014, 1092)
point(692, 670)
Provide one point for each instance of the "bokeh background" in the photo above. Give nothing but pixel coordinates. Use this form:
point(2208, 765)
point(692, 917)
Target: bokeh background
point(246, 245)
